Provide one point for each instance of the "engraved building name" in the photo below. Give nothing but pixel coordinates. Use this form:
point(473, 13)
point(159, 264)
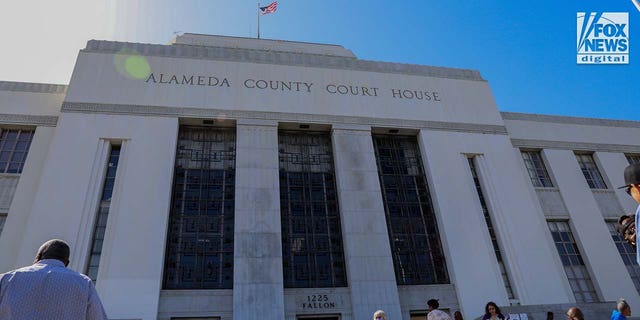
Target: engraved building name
point(297, 86)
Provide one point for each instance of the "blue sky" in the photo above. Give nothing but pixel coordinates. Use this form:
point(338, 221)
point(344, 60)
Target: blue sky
point(526, 50)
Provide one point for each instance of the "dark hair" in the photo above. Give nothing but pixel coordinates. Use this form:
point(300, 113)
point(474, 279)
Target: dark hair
point(549, 315)
point(457, 315)
point(53, 249)
point(622, 305)
point(623, 227)
point(577, 313)
point(433, 303)
point(491, 303)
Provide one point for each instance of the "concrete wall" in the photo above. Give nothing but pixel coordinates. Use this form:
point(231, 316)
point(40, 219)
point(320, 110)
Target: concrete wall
point(58, 192)
point(603, 261)
point(519, 222)
point(257, 266)
point(13, 233)
point(97, 79)
point(65, 201)
point(368, 258)
point(31, 99)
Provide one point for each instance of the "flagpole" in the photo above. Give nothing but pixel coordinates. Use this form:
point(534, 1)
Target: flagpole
point(258, 20)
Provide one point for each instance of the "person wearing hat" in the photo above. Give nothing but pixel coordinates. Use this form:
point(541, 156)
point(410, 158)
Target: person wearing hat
point(434, 313)
point(632, 187)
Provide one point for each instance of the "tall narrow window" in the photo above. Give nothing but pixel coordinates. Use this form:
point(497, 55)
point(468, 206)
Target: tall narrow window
point(590, 171)
point(312, 251)
point(492, 231)
point(536, 169)
point(14, 146)
point(103, 213)
point(628, 254)
point(200, 240)
point(633, 158)
point(411, 220)
point(3, 218)
point(574, 266)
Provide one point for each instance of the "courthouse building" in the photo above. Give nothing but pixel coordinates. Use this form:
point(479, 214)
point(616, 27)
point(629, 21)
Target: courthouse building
point(236, 178)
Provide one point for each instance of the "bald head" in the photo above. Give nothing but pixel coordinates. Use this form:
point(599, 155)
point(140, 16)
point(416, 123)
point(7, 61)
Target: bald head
point(54, 249)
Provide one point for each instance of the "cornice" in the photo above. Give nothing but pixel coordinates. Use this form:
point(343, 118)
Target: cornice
point(279, 116)
point(32, 87)
point(278, 57)
point(578, 146)
point(569, 120)
point(31, 120)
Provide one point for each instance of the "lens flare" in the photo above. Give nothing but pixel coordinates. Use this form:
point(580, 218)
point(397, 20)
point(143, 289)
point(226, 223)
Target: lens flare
point(131, 64)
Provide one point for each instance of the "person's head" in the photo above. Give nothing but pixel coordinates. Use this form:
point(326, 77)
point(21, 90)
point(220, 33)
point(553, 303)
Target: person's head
point(491, 308)
point(632, 181)
point(549, 315)
point(574, 314)
point(457, 315)
point(627, 228)
point(379, 315)
point(433, 304)
point(53, 249)
point(623, 307)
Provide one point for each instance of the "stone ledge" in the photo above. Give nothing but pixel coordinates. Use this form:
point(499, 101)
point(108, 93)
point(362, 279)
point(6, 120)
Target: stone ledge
point(279, 58)
point(32, 87)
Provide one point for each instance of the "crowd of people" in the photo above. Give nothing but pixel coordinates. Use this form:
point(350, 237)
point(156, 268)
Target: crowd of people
point(493, 312)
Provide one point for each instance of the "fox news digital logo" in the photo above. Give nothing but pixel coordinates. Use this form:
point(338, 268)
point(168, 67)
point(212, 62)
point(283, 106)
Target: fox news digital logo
point(603, 38)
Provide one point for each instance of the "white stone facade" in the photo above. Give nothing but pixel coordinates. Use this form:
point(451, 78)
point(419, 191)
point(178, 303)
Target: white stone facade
point(126, 94)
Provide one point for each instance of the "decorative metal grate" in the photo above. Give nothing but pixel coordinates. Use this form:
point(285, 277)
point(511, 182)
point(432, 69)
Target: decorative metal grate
point(201, 223)
point(411, 220)
point(313, 255)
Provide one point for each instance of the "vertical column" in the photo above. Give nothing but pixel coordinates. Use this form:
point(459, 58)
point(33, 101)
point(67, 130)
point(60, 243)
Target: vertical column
point(468, 250)
point(369, 263)
point(258, 291)
point(594, 240)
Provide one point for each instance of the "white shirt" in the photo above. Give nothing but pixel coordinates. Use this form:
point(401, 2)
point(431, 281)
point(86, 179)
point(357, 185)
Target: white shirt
point(436, 314)
point(48, 290)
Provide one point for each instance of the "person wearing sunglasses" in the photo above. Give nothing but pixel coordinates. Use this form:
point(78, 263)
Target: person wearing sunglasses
point(629, 224)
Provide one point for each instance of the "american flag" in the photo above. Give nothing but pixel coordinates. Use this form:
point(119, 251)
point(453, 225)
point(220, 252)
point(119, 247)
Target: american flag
point(270, 8)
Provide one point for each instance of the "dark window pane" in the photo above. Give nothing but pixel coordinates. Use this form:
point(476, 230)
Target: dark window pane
point(574, 266)
point(627, 252)
point(14, 145)
point(590, 171)
point(312, 250)
point(411, 221)
point(200, 240)
point(103, 214)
